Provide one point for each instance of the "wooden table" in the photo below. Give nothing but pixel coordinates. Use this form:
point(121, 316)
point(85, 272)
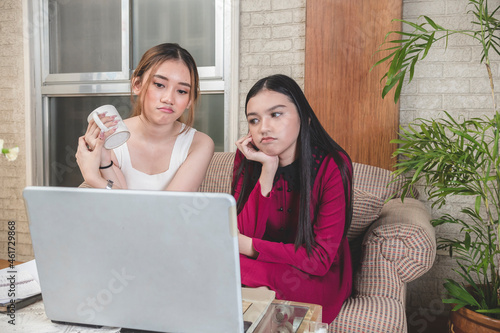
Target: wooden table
point(5, 263)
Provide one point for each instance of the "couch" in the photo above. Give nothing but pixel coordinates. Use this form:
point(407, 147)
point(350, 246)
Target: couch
point(392, 243)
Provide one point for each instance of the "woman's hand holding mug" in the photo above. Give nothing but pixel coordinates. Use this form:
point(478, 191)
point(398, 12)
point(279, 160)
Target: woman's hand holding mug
point(107, 119)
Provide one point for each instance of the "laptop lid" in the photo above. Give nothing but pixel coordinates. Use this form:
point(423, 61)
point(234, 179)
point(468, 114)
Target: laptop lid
point(150, 260)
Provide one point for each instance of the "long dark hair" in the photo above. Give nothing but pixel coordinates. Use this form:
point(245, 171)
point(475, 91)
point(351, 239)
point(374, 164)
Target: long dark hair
point(311, 134)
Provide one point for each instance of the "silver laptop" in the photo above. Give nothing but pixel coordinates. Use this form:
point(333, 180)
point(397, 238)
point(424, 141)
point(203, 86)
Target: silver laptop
point(148, 260)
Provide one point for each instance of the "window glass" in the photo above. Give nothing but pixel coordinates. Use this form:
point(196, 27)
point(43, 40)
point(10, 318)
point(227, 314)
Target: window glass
point(95, 36)
point(67, 122)
point(85, 36)
point(209, 118)
point(190, 23)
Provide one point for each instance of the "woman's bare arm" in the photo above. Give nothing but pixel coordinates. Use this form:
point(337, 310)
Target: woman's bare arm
point(192, 172)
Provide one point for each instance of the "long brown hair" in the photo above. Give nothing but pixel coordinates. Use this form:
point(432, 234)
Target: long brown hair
point(151, 60)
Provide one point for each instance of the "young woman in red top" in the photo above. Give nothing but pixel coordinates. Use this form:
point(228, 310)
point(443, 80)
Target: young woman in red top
point(293, 186)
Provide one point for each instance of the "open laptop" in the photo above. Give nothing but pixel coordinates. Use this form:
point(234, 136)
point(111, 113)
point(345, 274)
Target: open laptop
point(148, 260)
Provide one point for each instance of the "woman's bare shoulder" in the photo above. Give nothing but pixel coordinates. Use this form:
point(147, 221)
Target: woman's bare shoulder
point(202, 141)
point(131, 122)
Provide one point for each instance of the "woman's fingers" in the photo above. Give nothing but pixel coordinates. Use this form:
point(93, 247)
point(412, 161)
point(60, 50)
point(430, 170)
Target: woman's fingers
point(107, 121)
point(88, 160)
point(99, 141)
point(248, 135)
point(110, 121)
point(91, 136)
point(243, 142)
point(251, 152)
point(82, 145)
point(108, 133)
point(94, 131)
point(248, 149)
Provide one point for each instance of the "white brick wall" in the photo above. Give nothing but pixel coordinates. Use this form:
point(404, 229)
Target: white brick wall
point(12, 174)
point(412, 8)
point(272, 41)
point(455, 81)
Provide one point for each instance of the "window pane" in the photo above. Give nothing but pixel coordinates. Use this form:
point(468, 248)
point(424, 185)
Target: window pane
point(85, 36)
point(190, 23)
point(67, 122)
point(209, 118)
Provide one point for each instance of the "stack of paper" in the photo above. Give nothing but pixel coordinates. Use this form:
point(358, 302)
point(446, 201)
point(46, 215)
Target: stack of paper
point(19, 286)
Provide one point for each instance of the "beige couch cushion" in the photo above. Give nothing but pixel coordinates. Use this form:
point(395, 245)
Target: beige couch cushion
point(378, 181)
point(219, 174)
point(366, 209)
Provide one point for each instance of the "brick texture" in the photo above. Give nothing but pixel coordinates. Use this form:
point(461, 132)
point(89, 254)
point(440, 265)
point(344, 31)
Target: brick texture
point(272, 40)
point(12, 131)
point(453, 80)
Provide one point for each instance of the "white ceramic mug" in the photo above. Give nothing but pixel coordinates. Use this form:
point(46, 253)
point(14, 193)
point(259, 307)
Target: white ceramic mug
point(120, 136)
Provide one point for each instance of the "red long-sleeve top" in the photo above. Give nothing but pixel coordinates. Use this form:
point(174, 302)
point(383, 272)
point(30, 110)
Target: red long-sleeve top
point(324, 277)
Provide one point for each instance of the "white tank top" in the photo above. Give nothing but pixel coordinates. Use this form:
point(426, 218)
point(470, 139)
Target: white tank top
point(137, 180)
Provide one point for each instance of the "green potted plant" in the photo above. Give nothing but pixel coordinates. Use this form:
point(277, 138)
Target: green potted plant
point(455, 157)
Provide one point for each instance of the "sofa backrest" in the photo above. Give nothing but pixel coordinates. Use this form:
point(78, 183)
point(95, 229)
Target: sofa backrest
point(219, 174)
point(378, 181)
point(366, 177)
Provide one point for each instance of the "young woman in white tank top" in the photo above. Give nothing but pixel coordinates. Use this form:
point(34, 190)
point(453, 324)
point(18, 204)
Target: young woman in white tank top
point(163, 152)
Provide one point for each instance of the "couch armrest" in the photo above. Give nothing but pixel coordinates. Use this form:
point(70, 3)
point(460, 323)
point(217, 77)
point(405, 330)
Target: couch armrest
point(398, 248)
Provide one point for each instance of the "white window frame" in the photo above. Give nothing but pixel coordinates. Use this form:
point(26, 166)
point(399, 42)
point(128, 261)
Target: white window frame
point(41, 85)
point(61, 78)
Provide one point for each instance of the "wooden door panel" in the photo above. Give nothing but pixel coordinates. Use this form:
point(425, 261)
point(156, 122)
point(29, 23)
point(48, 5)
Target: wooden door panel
point(341, 40)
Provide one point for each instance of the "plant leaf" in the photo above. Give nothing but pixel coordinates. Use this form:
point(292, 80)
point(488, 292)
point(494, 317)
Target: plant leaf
point(496, 310)
point(416, 26)
point(429, 44)
point(478, 204)
point(433, 24)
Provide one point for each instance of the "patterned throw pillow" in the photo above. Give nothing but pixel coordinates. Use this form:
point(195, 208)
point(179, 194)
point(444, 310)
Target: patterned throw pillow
point(366, 210)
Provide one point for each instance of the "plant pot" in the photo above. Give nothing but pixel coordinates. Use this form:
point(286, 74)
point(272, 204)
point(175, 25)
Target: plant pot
point(467, 321)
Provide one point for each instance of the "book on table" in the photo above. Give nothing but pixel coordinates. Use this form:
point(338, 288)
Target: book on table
point(19, 286)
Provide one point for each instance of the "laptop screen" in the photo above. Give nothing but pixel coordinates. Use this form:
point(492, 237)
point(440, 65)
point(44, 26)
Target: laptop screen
point(150, 260)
